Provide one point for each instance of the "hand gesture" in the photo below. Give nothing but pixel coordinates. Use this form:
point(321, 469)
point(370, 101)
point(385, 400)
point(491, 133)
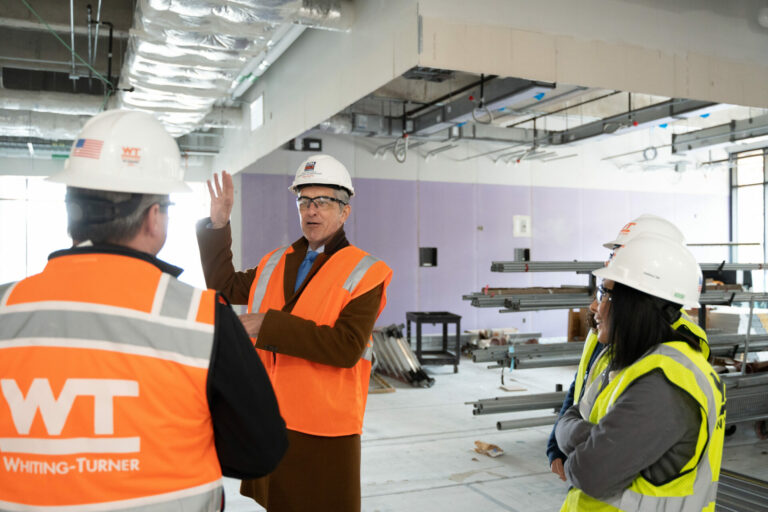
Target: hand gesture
point(557, 468)
point(222, 199)
point(252, 323)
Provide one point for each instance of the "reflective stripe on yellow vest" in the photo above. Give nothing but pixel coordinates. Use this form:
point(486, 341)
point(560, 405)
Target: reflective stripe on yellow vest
point(696, 486)
point(590, 345)
point(114, 354)
point(315, 398)
point(696, 330)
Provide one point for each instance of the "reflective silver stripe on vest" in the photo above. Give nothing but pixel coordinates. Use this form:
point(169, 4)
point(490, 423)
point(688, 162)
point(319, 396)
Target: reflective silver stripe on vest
point(368, 353)
point(177, 300)
point(704, 489)
point(187, 500)
point(5, 292)
point(89, 325)
point(266, 273)
point(359, 272)
point(162, 284)
point(354, 278)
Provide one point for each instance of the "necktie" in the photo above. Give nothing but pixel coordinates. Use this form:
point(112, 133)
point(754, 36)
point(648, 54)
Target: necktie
point(304, 268)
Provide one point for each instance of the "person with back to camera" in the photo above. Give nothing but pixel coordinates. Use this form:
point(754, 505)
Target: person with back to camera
point(311, 311)
point(648, 431)
point(649, 224)
point(148, 389)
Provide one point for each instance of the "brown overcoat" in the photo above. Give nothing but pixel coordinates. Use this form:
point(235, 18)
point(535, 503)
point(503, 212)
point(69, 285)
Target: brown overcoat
point(317, 473)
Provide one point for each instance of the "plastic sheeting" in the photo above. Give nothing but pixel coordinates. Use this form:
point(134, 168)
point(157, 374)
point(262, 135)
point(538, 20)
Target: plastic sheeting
point(185, 56)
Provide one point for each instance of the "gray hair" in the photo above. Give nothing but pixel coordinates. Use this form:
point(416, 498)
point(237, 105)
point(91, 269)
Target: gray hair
point(342, 195)
point(107, 217)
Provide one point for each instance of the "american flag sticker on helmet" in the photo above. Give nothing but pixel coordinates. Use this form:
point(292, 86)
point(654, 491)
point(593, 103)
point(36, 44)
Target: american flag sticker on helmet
point(310, 166)
point(88, 148)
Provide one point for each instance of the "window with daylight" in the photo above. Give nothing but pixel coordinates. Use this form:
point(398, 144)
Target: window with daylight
point(749, 188)
point(33, 224)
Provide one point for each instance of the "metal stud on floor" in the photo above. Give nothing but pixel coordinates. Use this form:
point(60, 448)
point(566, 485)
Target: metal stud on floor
point(396, 359)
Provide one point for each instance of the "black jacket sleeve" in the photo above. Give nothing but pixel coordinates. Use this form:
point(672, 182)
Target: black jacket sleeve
point(249, 432)
point(553, 450)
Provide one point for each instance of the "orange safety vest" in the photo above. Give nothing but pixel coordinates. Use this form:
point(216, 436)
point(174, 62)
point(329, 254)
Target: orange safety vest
point(316, 398)
point(103, 369)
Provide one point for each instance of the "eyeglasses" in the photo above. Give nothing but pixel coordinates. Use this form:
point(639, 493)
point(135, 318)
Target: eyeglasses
point(164, 205)
point(603, 293)
point(321, 202)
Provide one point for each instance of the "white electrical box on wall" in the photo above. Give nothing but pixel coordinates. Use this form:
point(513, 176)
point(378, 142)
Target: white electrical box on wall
point(521, 225)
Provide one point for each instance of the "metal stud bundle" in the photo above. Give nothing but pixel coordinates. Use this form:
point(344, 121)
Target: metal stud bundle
point(393, 357)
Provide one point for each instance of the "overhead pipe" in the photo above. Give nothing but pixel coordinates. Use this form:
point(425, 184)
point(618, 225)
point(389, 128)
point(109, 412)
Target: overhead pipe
point(112, 87)
point(286, 35)
point(90, 47)
point(72, 75)
point(43, 125)
point(51, 102)
point(448, 96)
point(59, 28)
point(96, 35)
point(614, 93)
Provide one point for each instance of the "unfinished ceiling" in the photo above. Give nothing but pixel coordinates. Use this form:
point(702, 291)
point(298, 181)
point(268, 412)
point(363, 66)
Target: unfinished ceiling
point(186, 62)
point(441, 110)
point(191, 63)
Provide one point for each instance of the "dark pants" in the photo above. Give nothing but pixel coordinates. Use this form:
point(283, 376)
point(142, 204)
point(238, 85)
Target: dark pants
point(316, 474)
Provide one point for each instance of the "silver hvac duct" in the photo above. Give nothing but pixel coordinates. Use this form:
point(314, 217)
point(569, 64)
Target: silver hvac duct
point(41, 125)
point(52, 102)
point(184, 57)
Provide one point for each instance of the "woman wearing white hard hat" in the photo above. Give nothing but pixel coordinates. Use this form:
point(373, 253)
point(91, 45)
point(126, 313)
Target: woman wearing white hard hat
point(648, 431)
point(645, 224)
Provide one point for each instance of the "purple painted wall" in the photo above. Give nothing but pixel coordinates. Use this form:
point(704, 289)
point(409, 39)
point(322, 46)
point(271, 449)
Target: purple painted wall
point(471, 225)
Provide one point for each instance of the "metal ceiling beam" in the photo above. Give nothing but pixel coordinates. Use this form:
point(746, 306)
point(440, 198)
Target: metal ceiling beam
point(721, 134)
point(496, 94)
point(56, 27)
point(668, 110)
point(497, 134)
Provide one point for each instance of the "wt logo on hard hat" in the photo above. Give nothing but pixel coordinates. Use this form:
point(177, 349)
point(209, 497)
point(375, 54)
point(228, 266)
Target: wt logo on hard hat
point(628, 227)
point(55, 412)
point(131, 155)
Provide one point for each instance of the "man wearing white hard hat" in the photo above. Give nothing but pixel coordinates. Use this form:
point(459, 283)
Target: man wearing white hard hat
point(644, 224)
point(648, 431)
point(148, 388)
point(311, 310)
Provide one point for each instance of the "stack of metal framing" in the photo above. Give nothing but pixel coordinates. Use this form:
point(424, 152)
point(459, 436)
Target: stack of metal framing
point(740, 493)
point(393, 357)
point(747, 394)
point(518, 356)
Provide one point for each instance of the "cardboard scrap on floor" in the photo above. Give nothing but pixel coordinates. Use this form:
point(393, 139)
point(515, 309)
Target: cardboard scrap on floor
point(490, 450)
point(512, 387)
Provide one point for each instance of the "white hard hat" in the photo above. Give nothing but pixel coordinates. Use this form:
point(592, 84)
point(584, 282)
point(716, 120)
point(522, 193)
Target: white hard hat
point(646, 223)
point(657, 266)
point(124, 151)
point(322, 170)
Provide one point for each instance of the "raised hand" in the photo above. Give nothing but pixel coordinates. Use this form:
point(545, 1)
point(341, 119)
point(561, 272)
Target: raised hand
point(222, 199)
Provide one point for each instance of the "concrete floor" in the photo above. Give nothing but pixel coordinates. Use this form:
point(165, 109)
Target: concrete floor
point(418, 447)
